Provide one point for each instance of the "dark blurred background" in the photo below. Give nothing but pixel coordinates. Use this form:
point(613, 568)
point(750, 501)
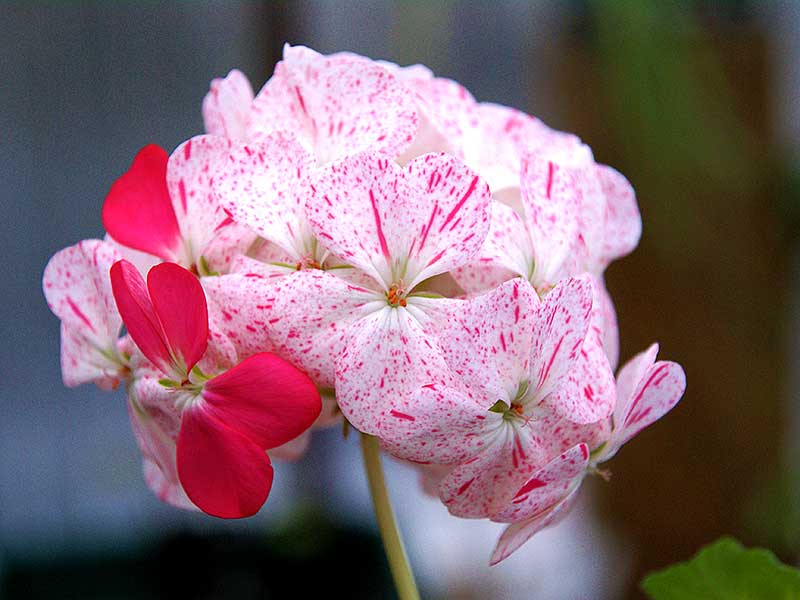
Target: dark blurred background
point(696, 102)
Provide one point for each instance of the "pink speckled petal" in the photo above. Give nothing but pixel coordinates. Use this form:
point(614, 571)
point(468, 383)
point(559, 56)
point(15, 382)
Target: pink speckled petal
point(507, 252)
point(548, 486)
point(551, 202)
point(495, 145)
point(656, 394)
point(241, 265)
point(482, 275)
point(440, 425)
point(486, 484)
point(558, 434)
point(623, 223)
point(589, 392)
point(588, 251)
point(78, 291)
point(229, 241)
point(165, 490)
point(487, 341)
point(338, 106)
point(155, 421)
point(387, 356)
point(516, 534)
point(446, 110)
point(509, 241)
point(559, 332)
point(191, 170)
point(430, 477)
point(257, 184)
point(226, 107)
point(310, 312)
point(240, 307)
point(82, 363)
point(629, 376)
point(609, 323)
point(408, 224)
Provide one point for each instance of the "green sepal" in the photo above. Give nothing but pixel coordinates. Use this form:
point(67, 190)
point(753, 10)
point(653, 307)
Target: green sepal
point(205, 270)
point(199, 374)
point(499, 407)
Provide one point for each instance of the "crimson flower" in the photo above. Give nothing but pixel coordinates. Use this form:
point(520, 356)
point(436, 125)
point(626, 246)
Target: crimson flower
point(228, 421)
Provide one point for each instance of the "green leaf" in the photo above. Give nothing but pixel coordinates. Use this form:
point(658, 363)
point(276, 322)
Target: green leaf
point(725, 570)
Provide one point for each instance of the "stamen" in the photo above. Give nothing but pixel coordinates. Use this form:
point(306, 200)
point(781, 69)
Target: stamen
point(307, 263)
point(396, 295)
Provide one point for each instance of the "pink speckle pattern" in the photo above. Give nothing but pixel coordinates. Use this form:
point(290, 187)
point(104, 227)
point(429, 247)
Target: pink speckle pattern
point(78, 291)
point(401, 224)
point(206, 228)
point(337, 106)
point(257, 184)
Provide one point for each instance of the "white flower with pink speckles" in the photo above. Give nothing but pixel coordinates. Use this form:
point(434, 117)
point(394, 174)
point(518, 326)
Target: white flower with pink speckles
point(433, 265)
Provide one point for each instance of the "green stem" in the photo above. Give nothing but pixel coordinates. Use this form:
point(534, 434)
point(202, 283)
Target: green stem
point(392, 542)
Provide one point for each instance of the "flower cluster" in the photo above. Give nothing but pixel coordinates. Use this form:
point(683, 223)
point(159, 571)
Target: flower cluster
point(366, 242)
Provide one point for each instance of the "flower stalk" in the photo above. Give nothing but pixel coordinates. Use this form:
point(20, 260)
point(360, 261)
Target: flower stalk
point(392, 541)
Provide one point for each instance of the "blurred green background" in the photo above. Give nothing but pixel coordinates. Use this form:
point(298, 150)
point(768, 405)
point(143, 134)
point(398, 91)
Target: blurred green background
point(695, 102)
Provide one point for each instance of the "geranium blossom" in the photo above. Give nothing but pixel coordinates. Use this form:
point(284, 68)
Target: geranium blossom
point(78, 292)
point(164, 206)
point(227, 420)
point(510, 358)
point(646, 391)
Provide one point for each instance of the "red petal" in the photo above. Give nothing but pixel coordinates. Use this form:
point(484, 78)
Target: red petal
point(180, 303)
point(223, 473)
point(138, 211)
point(265, 398)
point(138, 315)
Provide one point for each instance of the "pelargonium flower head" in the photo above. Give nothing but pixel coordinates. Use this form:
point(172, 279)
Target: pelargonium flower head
point(78, 291)
point(509, 355)
point(227, 421)
point(164, 206)
point(646, 391)
point(336, 105)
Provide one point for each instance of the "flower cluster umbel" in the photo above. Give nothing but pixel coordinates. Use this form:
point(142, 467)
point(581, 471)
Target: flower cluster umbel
point(367, 242)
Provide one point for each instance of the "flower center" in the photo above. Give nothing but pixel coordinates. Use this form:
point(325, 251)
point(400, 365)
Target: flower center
point(307, 263)
point(396, 296)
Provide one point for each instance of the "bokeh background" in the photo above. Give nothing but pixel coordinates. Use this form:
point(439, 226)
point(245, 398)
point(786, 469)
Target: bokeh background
point(698, 103)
